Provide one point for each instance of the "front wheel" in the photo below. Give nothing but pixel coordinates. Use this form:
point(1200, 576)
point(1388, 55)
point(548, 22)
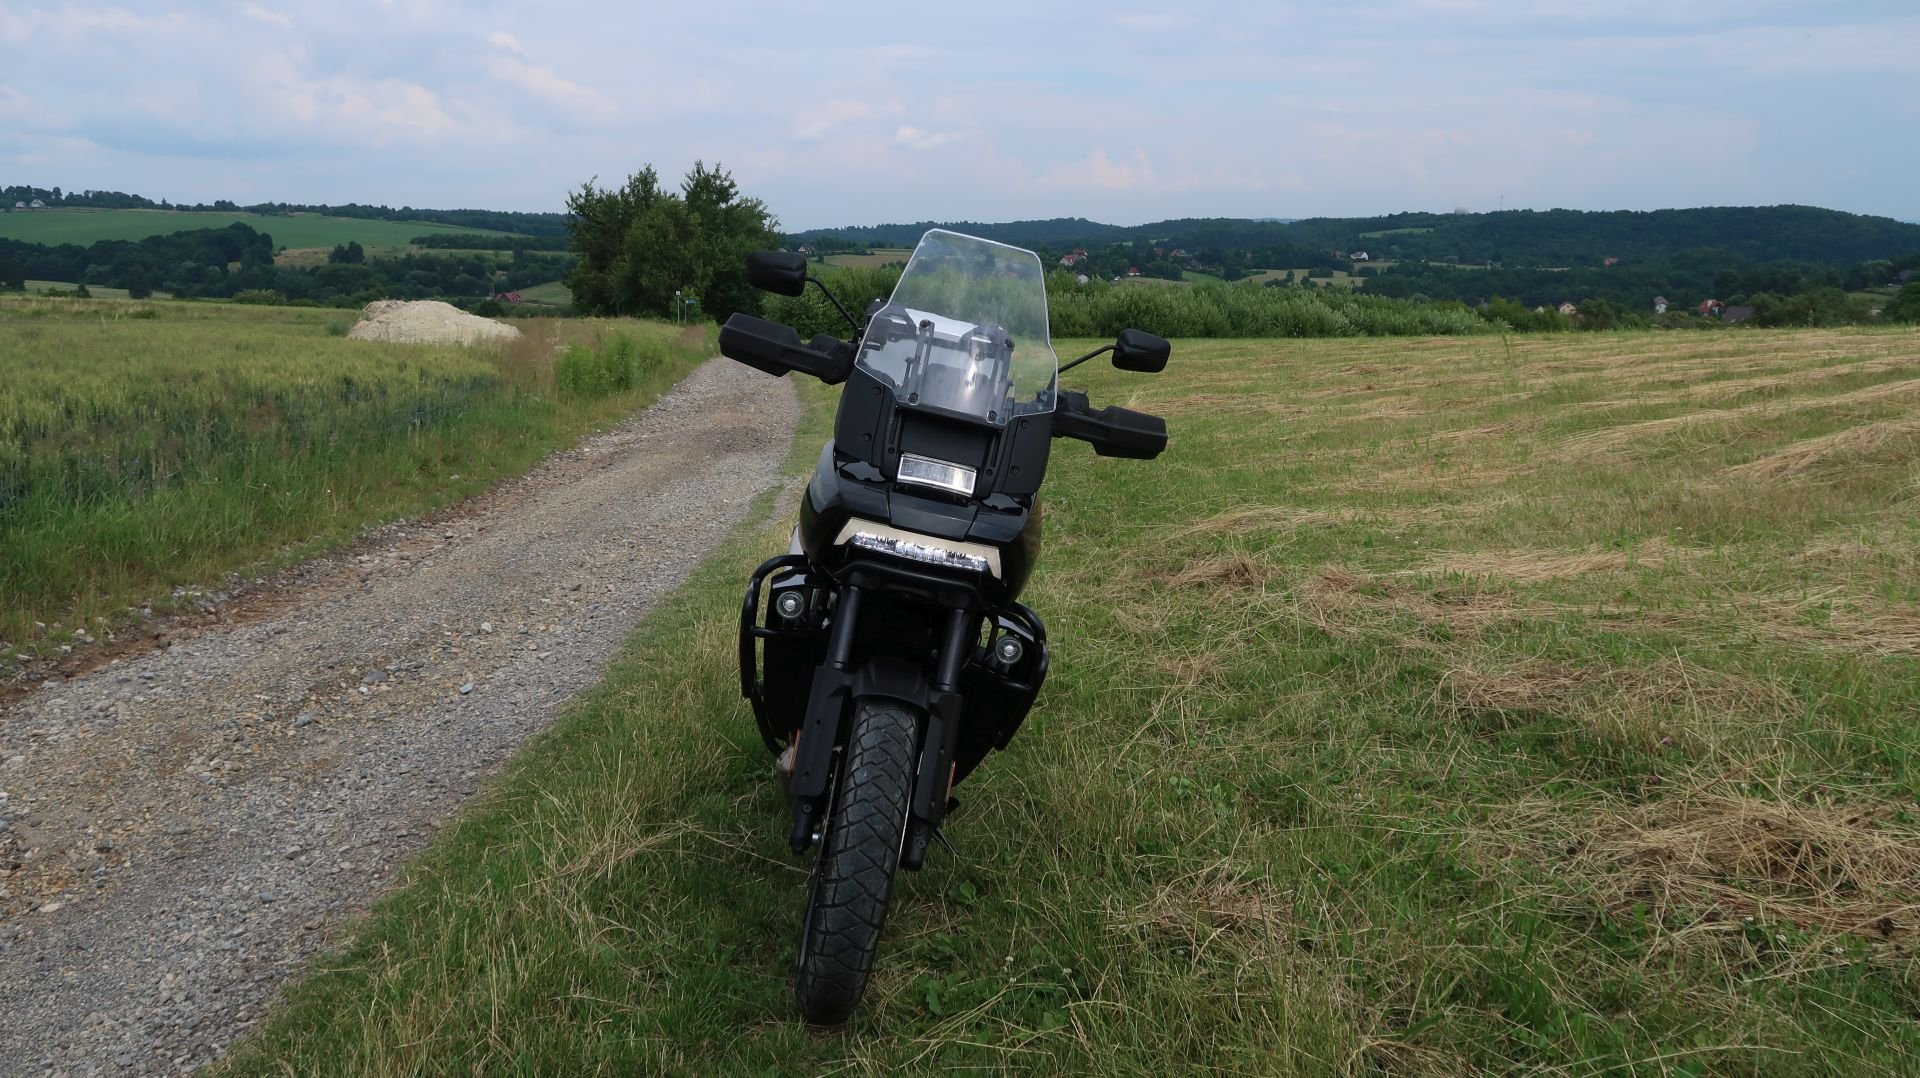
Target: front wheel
point(859, 851)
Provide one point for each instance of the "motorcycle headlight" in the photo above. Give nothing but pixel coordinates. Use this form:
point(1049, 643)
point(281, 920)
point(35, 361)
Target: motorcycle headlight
point(928, 472)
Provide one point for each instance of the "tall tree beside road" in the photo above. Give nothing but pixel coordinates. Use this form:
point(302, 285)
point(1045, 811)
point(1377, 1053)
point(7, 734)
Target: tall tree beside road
point(639, 244)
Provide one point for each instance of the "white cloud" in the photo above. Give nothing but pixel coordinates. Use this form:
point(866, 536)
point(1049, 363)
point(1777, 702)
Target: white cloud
point(814, 124)
point(272, 18)
point(916, 139)
point(547, 86)
point(506, 41)
point(1097, 169)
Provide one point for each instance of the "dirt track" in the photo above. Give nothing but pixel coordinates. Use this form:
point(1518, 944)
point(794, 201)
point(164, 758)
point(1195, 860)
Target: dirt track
point(180, 829)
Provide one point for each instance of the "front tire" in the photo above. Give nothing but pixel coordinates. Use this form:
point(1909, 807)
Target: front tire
point(853, 875)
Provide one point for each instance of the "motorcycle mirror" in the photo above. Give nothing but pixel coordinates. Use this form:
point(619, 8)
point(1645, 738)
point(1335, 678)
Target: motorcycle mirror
point(780, 272)
point(1138, 350)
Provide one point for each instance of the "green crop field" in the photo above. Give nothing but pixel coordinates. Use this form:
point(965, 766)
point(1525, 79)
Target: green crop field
point(97, 291)
point(1432, 707)
point(84, 227)
point(144, 446)
point(554, 292)
point(1340, 277)
point(878, 257)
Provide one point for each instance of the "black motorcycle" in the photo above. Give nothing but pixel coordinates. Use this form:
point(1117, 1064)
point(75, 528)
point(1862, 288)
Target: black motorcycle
point(892, 654)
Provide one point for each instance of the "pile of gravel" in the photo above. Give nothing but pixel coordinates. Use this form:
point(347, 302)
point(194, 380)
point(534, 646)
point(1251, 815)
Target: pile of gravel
point(426, 321)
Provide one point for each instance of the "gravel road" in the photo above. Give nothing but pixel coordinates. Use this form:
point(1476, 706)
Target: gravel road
point(180, 829)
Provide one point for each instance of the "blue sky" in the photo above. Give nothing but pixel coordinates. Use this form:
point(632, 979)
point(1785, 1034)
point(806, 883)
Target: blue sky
point(861, 112)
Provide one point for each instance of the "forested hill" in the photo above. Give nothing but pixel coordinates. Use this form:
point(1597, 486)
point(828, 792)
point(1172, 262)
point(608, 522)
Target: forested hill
point(1512, 237)
point(1053, 232)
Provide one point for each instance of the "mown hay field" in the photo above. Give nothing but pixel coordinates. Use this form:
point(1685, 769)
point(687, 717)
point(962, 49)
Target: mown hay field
point(148, 446)
point(1431, 707)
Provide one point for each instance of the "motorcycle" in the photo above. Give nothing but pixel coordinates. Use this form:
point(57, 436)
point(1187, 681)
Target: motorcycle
point(892, 653)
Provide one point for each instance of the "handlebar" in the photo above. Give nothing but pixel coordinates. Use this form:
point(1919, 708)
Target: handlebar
point(1113, 431)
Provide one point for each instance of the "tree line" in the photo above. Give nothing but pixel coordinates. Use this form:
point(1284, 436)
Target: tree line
point(221, 263)
point(1533, 238)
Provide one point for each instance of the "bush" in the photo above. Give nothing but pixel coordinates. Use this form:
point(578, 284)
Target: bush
point(260, 295)
point(614, 366)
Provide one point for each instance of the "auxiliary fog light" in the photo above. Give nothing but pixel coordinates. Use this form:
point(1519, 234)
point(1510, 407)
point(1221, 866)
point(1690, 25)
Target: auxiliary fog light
point(790, 604)
point(1008, 650)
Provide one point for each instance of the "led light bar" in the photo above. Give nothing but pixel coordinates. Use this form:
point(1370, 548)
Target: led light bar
point(928, 472)
point(921, 552)
point(916, 546)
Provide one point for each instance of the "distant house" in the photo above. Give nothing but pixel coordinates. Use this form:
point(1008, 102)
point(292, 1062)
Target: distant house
point(510, 297)
point(807, 250)
point(36, 204)
point(1360, 256)
point(1610, 262)
point(1659, 305)
point(1159, 252)
point(1710, 307)
point(19, 205)
point(1177, 252)
point(1569, 309)
point(1735, 314)
point(1133, 271)
point(1905, 276)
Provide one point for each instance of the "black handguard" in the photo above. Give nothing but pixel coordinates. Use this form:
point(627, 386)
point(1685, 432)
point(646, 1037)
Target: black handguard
point(1113, 431)
point(775, 348)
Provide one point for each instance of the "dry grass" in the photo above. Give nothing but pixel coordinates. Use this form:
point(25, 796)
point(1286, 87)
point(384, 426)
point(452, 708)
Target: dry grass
point(1211, 904)
point(1606, 439)
point(1221, 571)
point(1717, 858)
point(1834, 450)
point(1259, 518)
point(1535, 566)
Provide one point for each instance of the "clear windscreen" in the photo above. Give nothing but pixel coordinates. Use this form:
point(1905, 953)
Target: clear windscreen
point(965, 331)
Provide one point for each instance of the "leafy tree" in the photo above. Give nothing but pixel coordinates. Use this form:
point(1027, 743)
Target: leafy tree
point(1905, 306)
point(138, 283)
point(1598, 314)
point(350, 253)
point(639, 244)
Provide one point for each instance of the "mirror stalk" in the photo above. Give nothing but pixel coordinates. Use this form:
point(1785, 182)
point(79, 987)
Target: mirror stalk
point(837, 305)
point(1101, 351)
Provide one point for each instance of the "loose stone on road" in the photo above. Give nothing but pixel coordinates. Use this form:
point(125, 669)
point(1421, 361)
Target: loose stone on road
point(181, 829)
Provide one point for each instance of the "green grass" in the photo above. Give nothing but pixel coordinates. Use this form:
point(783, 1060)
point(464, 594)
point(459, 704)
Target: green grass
point(1533, 705)
point(144, 446)
point(85, 227)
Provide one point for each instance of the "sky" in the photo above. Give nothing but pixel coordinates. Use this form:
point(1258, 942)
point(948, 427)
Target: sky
point(858, 112)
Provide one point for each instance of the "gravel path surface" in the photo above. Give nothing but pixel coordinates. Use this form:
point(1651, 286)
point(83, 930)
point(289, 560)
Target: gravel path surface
point(179, 830)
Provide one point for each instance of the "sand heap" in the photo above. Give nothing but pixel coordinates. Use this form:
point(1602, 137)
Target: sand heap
point(426, 321)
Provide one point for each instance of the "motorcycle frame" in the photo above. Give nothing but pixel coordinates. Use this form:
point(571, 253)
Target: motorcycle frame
point(969, 694)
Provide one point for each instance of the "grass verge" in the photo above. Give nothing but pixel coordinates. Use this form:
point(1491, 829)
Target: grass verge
point(1396, 726)
point(145, 447)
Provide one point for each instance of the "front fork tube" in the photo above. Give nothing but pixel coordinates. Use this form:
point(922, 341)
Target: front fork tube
point(813, 748)
point(935, 781)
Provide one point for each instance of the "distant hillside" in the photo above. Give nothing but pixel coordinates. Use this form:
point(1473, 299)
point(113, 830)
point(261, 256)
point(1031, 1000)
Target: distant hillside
point(87, 226)
point(524, 224)
point(1513, 237)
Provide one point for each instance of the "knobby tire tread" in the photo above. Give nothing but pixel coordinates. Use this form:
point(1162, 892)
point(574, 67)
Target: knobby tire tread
point(853, 878)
